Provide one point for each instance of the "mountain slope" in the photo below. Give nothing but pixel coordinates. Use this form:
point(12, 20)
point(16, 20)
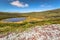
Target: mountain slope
point(46, 14)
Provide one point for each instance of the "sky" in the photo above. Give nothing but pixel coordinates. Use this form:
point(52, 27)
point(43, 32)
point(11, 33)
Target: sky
point(28, 5)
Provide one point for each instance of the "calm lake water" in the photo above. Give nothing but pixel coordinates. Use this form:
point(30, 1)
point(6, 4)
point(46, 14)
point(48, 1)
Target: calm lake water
point(14, 19)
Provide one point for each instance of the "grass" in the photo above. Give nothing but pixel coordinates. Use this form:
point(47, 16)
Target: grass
point(33, 19)
point(11, 27)
point(17, 27)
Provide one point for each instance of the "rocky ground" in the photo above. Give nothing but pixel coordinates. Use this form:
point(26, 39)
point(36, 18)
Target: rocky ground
point(46, 32)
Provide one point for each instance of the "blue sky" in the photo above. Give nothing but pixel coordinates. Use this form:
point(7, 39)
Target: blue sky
point(28, 5)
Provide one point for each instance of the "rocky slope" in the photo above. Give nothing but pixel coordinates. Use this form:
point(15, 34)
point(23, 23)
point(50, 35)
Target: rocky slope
point(46, 32)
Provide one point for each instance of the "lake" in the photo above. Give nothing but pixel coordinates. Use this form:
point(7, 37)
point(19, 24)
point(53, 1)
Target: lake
point(14, 19)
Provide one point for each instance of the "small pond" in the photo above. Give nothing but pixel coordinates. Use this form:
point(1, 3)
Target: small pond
point(14, 19)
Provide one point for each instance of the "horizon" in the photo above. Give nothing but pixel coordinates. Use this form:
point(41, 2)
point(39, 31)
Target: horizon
point(26, 6)
point(35, 11)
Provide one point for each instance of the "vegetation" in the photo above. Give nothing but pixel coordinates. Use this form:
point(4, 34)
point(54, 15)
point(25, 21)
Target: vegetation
point(48, 17)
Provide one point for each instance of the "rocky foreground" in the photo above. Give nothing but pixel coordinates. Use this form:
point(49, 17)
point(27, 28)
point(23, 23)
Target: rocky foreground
point(46, 32)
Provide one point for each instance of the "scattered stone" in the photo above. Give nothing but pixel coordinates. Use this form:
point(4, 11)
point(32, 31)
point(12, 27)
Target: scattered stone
point(46, 32)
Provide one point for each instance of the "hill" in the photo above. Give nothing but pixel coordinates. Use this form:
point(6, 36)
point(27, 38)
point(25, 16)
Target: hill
point(33, 19)
point(45, 14)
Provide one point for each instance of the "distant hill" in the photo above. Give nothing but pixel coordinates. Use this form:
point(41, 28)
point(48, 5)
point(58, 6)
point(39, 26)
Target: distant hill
point(45, 14)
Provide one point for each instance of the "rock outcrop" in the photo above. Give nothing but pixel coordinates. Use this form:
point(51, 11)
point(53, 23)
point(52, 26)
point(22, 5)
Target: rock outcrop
point(46, 32)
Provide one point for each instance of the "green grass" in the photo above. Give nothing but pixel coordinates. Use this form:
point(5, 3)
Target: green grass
point(49, 17)
point(17, 27)
point(13, 27)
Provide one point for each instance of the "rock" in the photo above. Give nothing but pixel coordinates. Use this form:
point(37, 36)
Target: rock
point(46, 32)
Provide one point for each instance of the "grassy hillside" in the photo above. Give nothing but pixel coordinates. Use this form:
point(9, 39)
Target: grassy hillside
point(4, 15)
point(33, 19)
point(46, 14)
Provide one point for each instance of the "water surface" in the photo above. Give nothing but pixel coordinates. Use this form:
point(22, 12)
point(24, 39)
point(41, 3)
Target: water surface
point(14, 19)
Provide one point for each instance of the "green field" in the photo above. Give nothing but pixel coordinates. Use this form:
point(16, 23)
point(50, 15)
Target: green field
point(48, 17)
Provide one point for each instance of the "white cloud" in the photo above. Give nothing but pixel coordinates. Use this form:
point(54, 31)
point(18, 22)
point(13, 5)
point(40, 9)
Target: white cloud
point(45, 5)
point(19, 4)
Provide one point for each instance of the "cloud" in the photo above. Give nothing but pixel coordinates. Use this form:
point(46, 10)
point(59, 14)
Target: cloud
point(19, 4)
point(45, 6)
